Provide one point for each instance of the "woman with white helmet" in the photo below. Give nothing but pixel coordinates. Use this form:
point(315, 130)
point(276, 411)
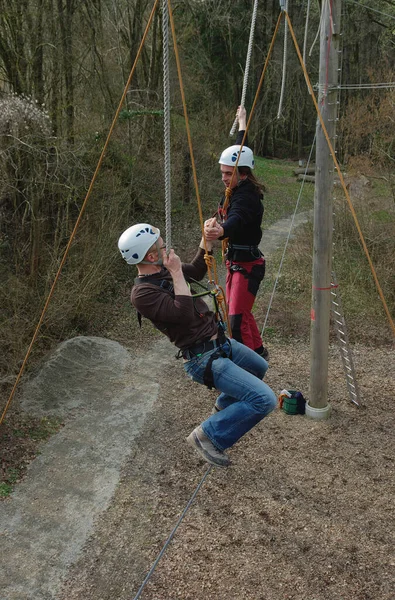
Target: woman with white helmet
point(239, 221)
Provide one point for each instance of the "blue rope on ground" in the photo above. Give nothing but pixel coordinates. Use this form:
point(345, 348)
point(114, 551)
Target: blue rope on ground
point(161, 553)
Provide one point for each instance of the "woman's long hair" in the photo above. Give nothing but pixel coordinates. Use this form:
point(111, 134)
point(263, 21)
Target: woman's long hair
point(248, 172)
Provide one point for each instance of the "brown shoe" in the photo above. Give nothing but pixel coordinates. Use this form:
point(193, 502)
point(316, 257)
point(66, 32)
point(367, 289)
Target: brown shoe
point(198, 440)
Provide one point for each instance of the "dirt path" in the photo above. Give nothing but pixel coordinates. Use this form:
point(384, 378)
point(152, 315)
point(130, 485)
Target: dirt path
point(305, 512)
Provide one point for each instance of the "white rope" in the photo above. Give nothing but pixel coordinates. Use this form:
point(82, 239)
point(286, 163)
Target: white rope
point(248, 60)
point(306, 28)
point(364, 86)
point(319, 28)
point(372, 9)
point(166, 121)
point(280, 104)
point(287, 241)
point(357, 86)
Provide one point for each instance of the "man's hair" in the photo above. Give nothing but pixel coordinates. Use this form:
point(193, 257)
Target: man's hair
point(152, 249)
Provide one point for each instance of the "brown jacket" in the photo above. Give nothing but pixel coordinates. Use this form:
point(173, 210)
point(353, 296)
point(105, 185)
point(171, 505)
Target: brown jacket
point(184, 319)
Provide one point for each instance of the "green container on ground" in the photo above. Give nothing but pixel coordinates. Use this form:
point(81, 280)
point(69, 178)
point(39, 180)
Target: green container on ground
point(292, 402)
point(290, 406)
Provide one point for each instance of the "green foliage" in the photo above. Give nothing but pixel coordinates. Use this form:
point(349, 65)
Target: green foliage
point(368, 130)
point(282, 189)
point(5, 489)
point(383, 216)
point(44, 428)
point(12, 475)
point(20, 439)
point(37, 429)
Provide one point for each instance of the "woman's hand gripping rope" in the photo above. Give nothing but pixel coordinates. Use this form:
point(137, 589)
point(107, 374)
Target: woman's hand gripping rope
point(218, 293)
point(211, 231)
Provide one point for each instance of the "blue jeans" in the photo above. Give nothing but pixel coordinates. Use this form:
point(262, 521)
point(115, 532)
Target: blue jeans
point(244, 399)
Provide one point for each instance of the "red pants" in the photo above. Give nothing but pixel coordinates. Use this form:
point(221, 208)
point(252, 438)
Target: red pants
point(242, 284)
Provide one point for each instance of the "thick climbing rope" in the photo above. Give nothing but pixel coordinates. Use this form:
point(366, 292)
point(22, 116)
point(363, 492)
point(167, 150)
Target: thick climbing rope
point(247, 65)
point(210, 260)
point(166, 121)
point(84, 204)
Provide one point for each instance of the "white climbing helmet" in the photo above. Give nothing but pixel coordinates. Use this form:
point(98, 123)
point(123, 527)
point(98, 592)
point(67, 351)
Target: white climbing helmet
point(229, 157)
point(135, 242)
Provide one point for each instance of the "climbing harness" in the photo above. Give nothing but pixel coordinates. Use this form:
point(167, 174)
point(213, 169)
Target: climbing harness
point(208, 377)
point(240, 253)
point(200, 348)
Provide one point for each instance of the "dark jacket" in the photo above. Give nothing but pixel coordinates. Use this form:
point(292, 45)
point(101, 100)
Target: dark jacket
point(244, 215)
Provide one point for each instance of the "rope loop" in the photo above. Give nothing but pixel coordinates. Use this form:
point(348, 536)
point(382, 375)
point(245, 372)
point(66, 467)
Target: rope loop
point(247, 66)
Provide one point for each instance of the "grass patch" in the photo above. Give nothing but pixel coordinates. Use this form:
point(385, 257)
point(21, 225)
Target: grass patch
point(5, 490)
point(363, 310)
point(20, 440)
point(383, 216)
point(283, 189)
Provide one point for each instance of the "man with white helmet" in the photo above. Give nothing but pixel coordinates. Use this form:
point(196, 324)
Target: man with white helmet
point(163, 295)
point(239, 222)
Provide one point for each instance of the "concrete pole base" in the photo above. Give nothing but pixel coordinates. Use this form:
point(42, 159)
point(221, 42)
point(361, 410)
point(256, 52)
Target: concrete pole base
point(318, 414)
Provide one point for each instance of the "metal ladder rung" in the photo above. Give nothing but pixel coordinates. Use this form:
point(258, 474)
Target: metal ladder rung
point(345, 352)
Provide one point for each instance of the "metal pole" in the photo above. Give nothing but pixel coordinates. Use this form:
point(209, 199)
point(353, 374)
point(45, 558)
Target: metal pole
point(323, 211)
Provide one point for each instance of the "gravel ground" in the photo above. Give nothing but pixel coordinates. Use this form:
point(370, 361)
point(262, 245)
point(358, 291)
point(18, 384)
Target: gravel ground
point(305, 511)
